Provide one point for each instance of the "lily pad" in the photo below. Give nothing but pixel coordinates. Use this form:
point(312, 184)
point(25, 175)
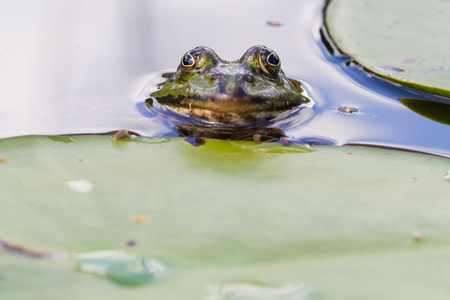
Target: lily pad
point(238, 216)
point(406, 41)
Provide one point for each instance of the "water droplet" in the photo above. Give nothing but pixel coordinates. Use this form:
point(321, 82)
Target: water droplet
point(447, 176)
point(249, 291)
point(418, 237)
point(120, 266)
point(80, 186)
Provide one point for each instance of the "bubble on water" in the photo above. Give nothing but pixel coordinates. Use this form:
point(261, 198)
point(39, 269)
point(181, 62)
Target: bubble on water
point(251, 291)
point(80, 186)
point(120, 266)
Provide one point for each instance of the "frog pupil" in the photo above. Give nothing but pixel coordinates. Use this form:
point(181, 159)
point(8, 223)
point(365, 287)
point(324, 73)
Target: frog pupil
point(188, 60)
point(273, 59)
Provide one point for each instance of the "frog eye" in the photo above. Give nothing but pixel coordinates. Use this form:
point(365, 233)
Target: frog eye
point(190, 60)
point(270, 62)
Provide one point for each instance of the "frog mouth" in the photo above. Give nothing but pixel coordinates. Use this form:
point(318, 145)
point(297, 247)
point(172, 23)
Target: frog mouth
point(229, 110)
point(227, 117)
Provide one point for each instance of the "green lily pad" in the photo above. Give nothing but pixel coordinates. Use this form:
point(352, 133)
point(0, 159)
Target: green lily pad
point(405, 41)
point(341, 221)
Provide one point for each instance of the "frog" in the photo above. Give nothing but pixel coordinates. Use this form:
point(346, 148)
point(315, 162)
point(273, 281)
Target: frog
point(250, 89)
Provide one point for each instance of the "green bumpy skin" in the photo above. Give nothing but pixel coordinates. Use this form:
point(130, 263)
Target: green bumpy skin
point(249, 89)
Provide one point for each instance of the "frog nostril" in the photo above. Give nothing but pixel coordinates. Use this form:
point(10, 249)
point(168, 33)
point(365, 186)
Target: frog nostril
point(248, 77)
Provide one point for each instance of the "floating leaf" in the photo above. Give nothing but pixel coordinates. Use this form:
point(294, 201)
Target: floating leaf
point(405, 41)
point(226, 211)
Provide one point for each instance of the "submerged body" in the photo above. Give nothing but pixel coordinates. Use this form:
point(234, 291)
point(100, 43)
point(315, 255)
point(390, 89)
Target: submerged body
point(250, 89)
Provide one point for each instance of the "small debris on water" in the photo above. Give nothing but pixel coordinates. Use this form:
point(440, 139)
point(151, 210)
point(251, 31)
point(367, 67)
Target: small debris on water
point(418, 237)
point(120, 134)
point(140, 219)
point(274, 23)
point(19, 250)
point(3, 161)
point(348, 110)
point(257, 138)
point(447, 176)
point(131, 243)
point(80, 186)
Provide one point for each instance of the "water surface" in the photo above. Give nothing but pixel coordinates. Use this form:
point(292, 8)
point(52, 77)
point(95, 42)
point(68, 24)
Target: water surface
point(83, 67)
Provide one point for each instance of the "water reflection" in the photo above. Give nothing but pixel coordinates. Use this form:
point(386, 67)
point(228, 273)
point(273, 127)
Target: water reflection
point(83, 67)
point(232, 133)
